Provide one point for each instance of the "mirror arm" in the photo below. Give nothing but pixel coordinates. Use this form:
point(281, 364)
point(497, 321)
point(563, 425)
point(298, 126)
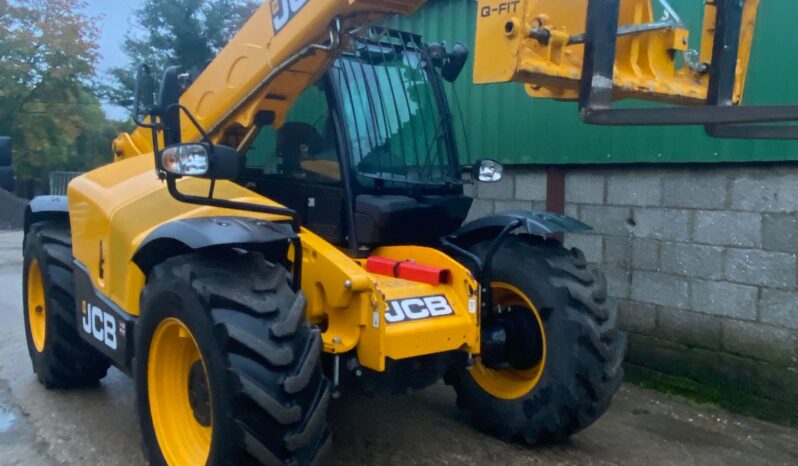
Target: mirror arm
point(143, 69)
point(154, 128)
point(205, 138)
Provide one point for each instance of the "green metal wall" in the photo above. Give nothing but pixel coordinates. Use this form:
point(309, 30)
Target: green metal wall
point(505, 124)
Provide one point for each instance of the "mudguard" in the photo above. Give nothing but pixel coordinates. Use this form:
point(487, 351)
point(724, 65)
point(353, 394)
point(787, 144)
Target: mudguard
point(536, 223)
point(46, 208)
point(193, 234)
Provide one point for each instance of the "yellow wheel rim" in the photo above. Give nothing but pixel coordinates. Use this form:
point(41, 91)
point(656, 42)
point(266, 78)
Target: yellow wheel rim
point(511, 384)
point(180, 412)
point(37, 309)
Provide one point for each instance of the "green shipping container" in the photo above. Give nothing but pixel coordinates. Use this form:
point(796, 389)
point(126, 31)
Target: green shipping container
point(504, 123)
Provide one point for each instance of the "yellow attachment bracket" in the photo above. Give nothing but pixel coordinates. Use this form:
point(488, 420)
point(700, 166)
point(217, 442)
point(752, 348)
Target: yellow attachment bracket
point(541, 43)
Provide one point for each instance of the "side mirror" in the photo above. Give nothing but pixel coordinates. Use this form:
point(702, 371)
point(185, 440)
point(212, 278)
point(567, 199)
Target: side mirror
point(455, 63)
point(451, 63)
point(144, 96)
point(201, 160)
point(487, 171)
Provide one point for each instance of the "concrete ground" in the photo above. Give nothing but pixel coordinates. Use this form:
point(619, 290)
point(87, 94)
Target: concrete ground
point(99, 426)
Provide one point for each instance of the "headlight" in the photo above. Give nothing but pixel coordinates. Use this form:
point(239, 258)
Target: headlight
point(186, 160)
point(488, 171)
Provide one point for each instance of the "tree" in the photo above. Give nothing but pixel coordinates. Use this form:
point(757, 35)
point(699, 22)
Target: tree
point(184, 33)
point(48, 55)
point(75, 137)
point(42, 41)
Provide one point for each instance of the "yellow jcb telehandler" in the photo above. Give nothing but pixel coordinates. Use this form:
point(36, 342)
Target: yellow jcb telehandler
point(290, 223)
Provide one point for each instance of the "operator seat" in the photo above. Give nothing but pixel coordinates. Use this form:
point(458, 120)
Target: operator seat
point(306, 153)
point(295, 142)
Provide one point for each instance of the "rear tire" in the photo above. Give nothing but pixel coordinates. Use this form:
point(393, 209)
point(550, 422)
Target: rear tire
point(581, 368)
point(60, 358)
point(268, 395)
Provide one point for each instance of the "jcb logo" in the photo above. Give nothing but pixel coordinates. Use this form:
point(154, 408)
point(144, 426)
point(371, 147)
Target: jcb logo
point(284, 10)
point(403, 310)
point(100, 325)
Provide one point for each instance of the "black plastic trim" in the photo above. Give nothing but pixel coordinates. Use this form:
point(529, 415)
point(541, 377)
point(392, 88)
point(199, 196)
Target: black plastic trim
point(536, 223)
point(96, 313)
point(184, 236)
point(46, 208)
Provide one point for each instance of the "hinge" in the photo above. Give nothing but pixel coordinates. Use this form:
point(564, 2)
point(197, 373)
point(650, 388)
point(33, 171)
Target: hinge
point(101, 265)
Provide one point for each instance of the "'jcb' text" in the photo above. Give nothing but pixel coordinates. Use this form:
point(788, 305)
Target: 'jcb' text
point(284, 11)
point(403, 310)
point(100, 325)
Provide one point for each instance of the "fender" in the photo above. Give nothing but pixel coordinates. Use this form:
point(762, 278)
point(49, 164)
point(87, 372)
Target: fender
point(498, 228)
point(46, 208)
point(535, 223)
point(194, 234)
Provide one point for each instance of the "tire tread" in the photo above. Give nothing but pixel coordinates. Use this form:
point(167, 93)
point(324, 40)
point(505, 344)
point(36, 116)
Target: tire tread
point(572, 401)
point(272, 355)
point(71, 362)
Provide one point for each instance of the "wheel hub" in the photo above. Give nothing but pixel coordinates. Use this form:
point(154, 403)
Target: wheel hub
point(199, 396)
point(512, 339)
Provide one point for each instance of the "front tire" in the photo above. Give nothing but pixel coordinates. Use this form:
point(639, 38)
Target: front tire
point(227, 368)
point(60, 358)
point(579, 366)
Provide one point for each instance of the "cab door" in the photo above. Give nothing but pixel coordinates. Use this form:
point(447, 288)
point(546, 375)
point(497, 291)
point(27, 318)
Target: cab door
point(299, 166)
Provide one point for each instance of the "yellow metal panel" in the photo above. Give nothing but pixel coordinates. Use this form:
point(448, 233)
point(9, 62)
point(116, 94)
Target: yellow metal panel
point(338, 290)
point(434, 335)
point(114, 208)
point(350, 304)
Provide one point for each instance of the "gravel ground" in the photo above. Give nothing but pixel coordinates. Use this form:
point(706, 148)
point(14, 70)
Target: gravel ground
point(12, 211)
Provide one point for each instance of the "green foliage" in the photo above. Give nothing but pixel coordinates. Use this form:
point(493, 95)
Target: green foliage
point(707, 394)
point(48, 54)
point(184, 33)
point(48, 58)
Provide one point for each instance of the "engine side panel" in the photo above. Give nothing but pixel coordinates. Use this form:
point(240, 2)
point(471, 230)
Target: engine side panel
point(114, 208)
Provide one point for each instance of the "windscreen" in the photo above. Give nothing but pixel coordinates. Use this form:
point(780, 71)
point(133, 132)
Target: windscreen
point(394, 127)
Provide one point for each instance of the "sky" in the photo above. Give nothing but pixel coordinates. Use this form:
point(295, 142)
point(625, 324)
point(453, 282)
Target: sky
point(116, 21)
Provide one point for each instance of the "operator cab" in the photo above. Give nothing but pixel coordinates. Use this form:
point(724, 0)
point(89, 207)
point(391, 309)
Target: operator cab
point(367, 156)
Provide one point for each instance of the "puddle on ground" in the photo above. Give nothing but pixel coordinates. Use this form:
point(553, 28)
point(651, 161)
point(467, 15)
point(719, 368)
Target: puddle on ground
point(7, 418)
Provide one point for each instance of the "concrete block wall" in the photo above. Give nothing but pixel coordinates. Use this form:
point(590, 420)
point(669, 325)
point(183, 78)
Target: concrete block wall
point(703, 262)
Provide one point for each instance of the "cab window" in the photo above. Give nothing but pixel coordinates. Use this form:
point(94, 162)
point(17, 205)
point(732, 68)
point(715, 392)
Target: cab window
point(304, 147)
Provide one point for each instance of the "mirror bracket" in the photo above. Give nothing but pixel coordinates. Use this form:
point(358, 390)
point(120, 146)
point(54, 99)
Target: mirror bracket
point(450, 63)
